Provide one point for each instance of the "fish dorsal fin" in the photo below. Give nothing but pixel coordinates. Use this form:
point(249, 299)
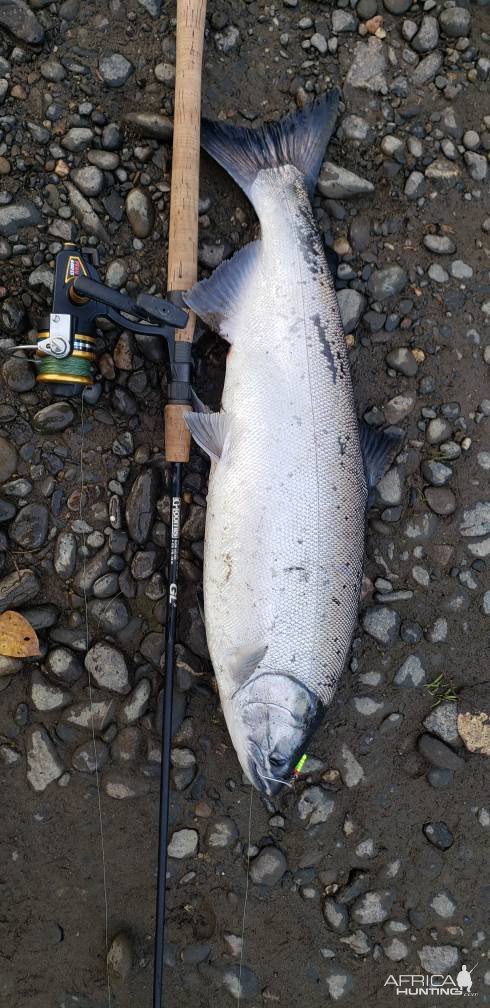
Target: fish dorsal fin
point(242, 662)
point(378, 450)
point(215, 300)
point(209, 431)
point(298, 139)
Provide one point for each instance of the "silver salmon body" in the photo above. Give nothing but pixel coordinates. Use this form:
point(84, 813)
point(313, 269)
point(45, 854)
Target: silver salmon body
point(289, 486)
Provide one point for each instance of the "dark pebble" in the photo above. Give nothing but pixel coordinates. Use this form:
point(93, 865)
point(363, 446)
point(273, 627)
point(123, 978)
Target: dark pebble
point(19, 374)
point(41, 617)
point(16, 588)
point(8, 459)
point(439, 754)
point(30, 528)
point(439, 778)
point(438, 834)
point(7, 511)
point(140, 505)
point(441, 500)
point(55, 417)
point(63, 665)
point(109, 616)
point(410, 632)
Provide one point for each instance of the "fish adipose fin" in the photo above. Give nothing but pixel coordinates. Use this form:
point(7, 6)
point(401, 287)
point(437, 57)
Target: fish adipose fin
point(209, 431)
point(378, 450)
point(299, 139)
point(215, 300)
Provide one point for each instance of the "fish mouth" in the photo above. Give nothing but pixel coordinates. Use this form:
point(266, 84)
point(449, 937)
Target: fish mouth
point(263, 781)
point(269, 786)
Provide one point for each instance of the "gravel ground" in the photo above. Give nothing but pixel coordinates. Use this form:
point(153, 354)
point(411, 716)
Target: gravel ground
point(373, 863)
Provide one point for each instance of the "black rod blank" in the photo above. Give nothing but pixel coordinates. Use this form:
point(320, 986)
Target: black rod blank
point(170, 635)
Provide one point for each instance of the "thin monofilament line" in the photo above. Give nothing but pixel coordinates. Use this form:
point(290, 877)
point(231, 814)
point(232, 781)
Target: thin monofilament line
point(277, 780)
point(99, 801)
point(245, 901)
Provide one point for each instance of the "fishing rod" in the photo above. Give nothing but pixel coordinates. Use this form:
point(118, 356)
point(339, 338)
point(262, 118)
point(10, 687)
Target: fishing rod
point(65, 358)
point(65, 355)
point(181, 276)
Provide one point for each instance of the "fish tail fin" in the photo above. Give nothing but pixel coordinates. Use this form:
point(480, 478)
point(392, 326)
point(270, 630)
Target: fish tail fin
point(299, 139)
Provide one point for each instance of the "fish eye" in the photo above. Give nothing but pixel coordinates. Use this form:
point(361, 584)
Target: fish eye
point(276, 760)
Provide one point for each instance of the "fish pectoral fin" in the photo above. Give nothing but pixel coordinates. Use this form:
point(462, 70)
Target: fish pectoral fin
point(242, 662)
point(209, 431)
point(378, 450)
point(215, 300)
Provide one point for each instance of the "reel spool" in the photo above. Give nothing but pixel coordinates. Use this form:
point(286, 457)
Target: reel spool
point(78, 368)
point(65, 354)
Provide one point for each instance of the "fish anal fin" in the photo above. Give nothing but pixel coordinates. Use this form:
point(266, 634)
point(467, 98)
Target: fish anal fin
point(209, 431)
point(216, 299)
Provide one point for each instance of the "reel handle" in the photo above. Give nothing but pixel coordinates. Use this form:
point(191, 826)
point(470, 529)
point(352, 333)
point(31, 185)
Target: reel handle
point(145, 307)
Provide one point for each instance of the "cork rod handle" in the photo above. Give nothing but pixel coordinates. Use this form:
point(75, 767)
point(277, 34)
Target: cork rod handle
point(182, 232)
point(184, 197)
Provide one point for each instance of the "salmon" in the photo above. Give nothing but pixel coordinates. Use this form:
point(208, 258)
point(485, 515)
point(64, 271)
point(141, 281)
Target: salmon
point(291, 467)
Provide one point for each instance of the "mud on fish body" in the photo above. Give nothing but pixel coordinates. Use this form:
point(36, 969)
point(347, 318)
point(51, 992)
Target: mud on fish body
point(292, 469)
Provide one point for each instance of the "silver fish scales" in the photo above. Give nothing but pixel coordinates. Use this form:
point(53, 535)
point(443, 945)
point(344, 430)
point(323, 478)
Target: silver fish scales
point(289, 486)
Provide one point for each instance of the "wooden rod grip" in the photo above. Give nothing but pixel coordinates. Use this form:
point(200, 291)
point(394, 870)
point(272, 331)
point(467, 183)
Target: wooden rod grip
point(177, 434)
point(184, 196)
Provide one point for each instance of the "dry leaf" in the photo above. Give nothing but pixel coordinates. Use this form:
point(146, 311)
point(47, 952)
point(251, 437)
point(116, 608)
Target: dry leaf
point(18, 639)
